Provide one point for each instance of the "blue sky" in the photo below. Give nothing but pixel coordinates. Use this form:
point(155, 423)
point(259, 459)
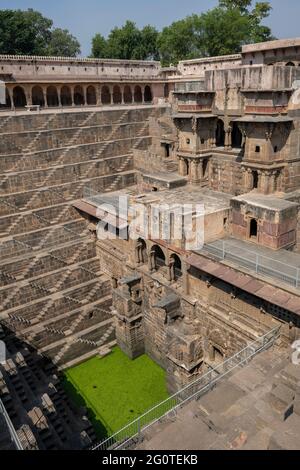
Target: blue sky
point(85, 18)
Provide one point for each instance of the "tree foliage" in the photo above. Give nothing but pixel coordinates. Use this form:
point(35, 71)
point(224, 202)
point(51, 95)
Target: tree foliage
point(28, 32)
point(127, 42)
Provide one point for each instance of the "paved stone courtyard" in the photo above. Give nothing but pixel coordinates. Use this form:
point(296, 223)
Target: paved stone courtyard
point(246, 411)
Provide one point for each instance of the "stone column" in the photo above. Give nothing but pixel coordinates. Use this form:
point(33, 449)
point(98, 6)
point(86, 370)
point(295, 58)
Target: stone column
point(122, 93)
point(194, 173)
point(185, 277)
point(132, 93)
point(111, 95)
point(143, 94)
point(98, 95)
point(11, 96)
point(45, 97)
point(228, 138)
point(85, 95)
point(28, 94)
point(72, 95)
point(272, 182)
point(182, 167)
point(151, 261)
point(263, 182)
point(59, 96)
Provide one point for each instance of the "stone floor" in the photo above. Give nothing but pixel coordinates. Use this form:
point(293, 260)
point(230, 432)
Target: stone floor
point(256, 408)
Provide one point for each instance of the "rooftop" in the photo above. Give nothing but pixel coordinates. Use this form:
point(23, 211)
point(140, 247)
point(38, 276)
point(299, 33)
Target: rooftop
point(269, 45)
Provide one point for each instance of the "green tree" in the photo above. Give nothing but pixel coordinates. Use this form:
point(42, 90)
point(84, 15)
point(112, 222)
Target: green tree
point(179, 41)
point(63, 43)
point(124, 42)
point(99, 47)
point(127, 42)
point(24, 32)
point(30, 33)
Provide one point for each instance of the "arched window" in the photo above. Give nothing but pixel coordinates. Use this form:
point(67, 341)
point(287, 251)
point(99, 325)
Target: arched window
point(220, 134)
point(78, 96)
point(37, 96)
point(290, 64)
point(105, 95)
point(138, 97)
point(19, 97)
point(65, 96)
point(91, 95)
point(236, 136)
point(127, 94)
point(52, 97)
point(117, 95)
point(255, 179)
point(253, 228)
point(177, 266)
point(148, 94)
point(160, 259)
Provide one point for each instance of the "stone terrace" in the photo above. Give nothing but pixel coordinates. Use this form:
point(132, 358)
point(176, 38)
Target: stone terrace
point(52, 292)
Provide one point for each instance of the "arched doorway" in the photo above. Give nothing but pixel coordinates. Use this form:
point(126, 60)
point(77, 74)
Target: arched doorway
point(138, 96)
point(37, 96)
point(117, 95)
point(65, 96)
point(19, 97)
point(78, 96)
point(253, 229)
point(148, 94)
point(220, 134)
point(91, 95)
point(290, 64)
point(160, 259)
point(236, 136)
point(255, 179)
point(127, 94)
point(176, 267)
point(105, 95)
point(52, 96)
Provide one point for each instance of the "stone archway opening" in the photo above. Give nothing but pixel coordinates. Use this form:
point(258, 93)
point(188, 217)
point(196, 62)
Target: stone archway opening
point(65, 96)
point(91, 97)
point(52, 97)
point(127, 94)
point(236, 136)
point(220, 134)
point(148, 94)
point(19, 97)
point(177, 266)
point(105, 95)
point(78, 96)
point(160, 259)
point(117, 95)
point(255, 179)
point(37, 96)
point(253, 229)
point(138, 96)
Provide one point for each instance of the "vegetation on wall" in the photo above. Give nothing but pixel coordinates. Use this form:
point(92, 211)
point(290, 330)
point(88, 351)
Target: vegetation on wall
point(219, 31)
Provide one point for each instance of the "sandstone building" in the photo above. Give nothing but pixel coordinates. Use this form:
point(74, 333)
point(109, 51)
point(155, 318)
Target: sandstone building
point(79, 133)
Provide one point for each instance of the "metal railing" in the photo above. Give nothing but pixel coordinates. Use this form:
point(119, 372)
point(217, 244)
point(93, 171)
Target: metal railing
point(132, 432)
point(13, 434)
point(259, 263)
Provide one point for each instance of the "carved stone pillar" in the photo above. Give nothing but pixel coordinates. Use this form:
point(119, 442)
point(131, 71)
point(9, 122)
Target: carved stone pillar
point(152, 261)
point(185, 276)
point(228, 138)
point(182, 167)
point(98, 95)
point(59, 96)
point(263, 182)
point(45, 97)
point(72, 96)
point(29, 96)
point(195, 173)
point(85, 95)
